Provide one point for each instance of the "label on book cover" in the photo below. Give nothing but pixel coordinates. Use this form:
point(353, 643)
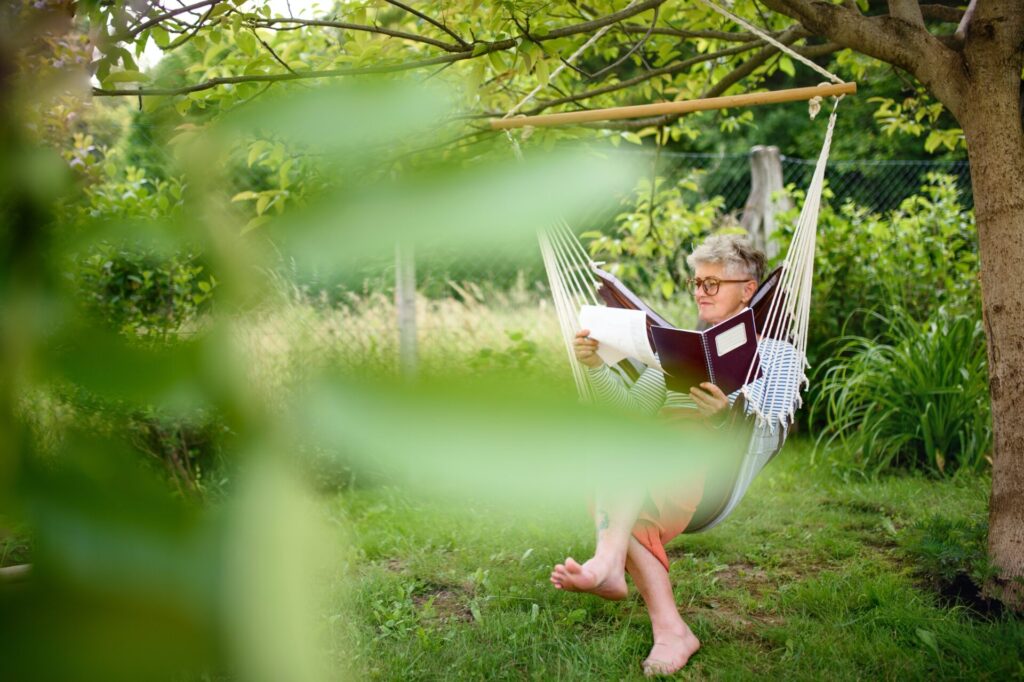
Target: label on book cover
point(731, 339)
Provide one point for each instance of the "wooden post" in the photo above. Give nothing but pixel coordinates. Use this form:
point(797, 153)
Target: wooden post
point(766, 198)
point(405, 308)
point(675, 108)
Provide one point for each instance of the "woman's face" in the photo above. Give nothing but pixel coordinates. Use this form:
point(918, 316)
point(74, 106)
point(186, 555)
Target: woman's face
point(731, 298)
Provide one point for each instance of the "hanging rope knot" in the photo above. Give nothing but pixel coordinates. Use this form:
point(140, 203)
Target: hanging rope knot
point(814, 106)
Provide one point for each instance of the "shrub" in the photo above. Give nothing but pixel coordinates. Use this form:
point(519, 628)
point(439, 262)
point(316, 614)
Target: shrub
point(135, 288)
point(919, 257)
point(141, 293)
point(916, 398)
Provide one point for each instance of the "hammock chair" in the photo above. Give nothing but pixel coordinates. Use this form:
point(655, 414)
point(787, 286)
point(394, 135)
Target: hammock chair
point(781, 304)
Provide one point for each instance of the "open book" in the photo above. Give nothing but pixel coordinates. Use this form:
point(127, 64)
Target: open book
point(722, 354)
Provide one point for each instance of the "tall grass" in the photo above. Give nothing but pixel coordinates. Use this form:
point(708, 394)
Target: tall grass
point(914, 399)
point(476, 329)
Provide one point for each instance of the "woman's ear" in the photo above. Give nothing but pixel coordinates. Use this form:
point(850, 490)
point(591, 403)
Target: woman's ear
point(749, 289)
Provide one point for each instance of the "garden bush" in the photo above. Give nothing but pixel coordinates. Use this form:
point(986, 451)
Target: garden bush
point(915, 397)
point(140, 289)
point(918, 258)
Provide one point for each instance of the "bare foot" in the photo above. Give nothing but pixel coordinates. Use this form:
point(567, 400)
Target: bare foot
point(604, 577)
point(670, 653)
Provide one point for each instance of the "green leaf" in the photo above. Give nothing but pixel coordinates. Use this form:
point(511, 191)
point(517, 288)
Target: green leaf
point(929, 640)
point(244, 196)
point(254, 223)
point(543, 71)
point(786, 66)
point(127, 77)
point(282, 175)
point(262, 202)
point(160, 36)
point(255, 151)
point(246, 42)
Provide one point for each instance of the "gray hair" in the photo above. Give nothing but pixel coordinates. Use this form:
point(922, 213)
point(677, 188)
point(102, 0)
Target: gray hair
point(740, 257)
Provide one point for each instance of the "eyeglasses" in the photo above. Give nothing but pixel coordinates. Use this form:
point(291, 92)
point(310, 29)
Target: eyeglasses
point(710, 284)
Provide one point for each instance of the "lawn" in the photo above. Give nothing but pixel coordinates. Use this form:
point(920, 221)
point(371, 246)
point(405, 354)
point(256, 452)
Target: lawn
point(810, 578)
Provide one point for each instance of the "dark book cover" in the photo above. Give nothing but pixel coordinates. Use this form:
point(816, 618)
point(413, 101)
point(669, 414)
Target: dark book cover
point(722, 354)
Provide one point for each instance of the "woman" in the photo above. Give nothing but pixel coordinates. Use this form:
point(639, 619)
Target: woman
point(632, 529)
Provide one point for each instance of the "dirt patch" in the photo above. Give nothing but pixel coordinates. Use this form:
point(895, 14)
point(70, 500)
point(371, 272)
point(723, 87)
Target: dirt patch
point(746, 576)
point(858, 506)
point(444, 603)
point(732, 619)
point(395, 565)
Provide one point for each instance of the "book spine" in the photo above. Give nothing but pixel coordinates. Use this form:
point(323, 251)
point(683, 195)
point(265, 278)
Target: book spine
point(707, 358)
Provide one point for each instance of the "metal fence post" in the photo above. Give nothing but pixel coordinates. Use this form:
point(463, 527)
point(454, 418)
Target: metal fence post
point(405, 308)
point(766, 198)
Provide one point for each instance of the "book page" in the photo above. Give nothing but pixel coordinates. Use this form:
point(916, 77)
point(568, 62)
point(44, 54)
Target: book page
point(620, 333)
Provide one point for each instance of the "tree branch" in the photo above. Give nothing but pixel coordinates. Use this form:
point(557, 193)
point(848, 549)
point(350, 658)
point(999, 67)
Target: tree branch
point(735, 76)
point(601, 22)
point(629, 53)
point(906, 10)
point(325, 23)
point(431, 21)
point(644, 76)
point(278, 77)
point(164, 17)
point(950, 15)
point(273, 53)
point(480, 48)
point(686, 35)
point(896, 41)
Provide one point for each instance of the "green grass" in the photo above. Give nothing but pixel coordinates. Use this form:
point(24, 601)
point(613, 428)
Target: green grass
point(806, 580)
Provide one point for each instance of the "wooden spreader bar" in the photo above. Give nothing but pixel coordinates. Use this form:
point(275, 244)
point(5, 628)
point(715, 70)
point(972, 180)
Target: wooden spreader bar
point(684, 107)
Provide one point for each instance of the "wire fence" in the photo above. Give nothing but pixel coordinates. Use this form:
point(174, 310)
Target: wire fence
point(490, 311)
point(879, 185)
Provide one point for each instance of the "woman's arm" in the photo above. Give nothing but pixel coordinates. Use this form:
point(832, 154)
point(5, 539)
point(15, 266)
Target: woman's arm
point(646, 395)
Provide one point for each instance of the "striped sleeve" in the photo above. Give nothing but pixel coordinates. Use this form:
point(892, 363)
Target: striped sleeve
point(646, 395)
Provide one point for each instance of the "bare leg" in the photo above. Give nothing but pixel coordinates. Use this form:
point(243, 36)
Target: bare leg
point(674, 642)
point(604, 573)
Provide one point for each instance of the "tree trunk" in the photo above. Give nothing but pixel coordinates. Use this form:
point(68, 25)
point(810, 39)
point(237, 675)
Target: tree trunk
point(995, 141)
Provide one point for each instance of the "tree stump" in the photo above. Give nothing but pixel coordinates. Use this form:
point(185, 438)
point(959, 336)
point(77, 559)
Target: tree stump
point(766, 198)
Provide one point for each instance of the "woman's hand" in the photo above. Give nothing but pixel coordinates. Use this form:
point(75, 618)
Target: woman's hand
point(710, 401)
point(586, 349)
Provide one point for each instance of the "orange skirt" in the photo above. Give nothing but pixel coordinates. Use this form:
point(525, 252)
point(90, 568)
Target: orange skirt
point(666, 514)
